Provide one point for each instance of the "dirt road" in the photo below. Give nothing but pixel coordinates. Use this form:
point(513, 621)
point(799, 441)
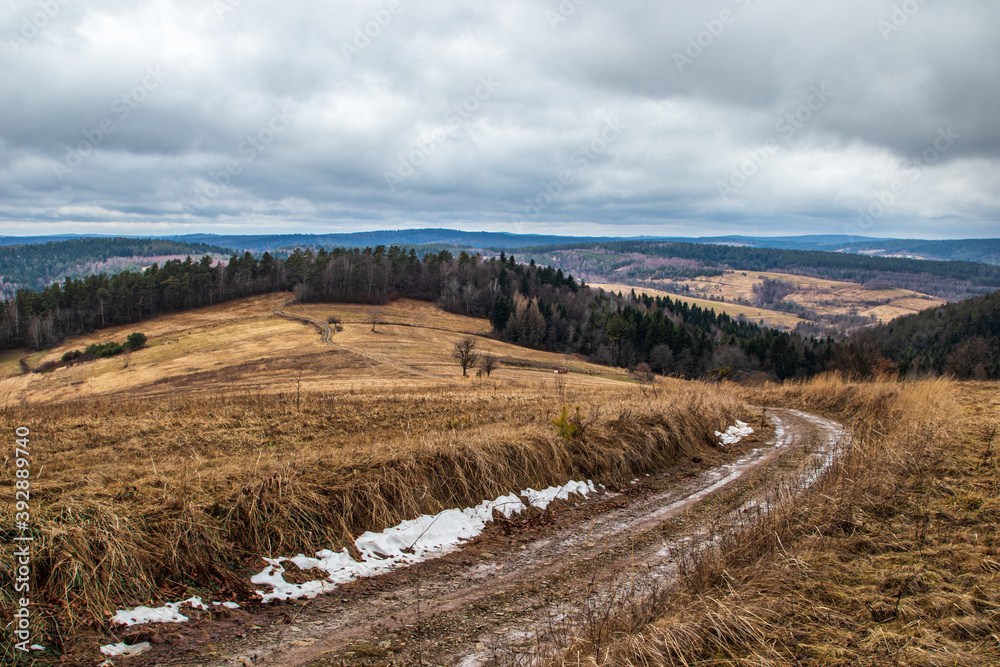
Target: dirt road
point(532, 580)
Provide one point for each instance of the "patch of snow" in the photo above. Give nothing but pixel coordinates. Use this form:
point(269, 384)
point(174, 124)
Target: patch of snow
point(541, 499)
point(410, 542)
point(121, 650)
point(168, 613)
point(734, 434)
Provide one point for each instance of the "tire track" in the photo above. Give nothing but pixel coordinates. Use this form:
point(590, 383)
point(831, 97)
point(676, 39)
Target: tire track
point(457, 611)
point(327, 339)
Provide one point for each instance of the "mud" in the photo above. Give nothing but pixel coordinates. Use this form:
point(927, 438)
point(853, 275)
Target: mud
point(528, 583)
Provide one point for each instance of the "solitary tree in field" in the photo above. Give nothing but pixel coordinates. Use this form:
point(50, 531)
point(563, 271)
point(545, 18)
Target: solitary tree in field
point(488, 363)
point(465, 354)
point(375, 316)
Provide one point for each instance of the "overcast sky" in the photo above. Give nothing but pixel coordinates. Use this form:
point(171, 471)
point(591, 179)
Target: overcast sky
point(686, 118)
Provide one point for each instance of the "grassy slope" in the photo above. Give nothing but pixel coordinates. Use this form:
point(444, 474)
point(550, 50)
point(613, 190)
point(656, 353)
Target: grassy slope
point(241, 345)
point(201, 456)
point(825, 297)
point(893, 560)
point(772, 318)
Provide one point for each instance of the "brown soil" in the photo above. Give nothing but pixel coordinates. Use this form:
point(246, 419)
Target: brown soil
point(525, 582)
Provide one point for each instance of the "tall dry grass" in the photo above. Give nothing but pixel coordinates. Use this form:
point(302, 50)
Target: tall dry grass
point(892, 559)
point(141, 501)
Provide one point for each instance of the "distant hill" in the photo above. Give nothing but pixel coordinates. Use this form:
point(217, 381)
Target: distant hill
point(653, 260)
point(970, 269)
point(960, 339)
point(35, 265)
point(967, 250)
point(986, 251)
point(403, 237)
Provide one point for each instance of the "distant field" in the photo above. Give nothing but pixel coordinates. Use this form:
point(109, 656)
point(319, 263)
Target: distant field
point(243, 346)
point(772, 318)
point(827, 298)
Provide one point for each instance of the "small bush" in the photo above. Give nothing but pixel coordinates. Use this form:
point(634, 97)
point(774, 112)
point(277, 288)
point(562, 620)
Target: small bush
point(135, 341)
point(569, 427)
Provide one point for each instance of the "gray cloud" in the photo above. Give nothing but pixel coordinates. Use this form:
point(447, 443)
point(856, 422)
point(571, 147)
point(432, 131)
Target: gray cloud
point(736, 116)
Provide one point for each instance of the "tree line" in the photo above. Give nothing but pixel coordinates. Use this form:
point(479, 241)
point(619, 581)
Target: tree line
point(527, 304)
point(960, 339)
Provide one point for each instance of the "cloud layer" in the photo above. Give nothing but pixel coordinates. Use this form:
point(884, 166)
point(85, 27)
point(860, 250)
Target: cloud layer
point(571, 116)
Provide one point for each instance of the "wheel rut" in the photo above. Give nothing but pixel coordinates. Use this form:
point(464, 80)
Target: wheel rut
point(516, 592)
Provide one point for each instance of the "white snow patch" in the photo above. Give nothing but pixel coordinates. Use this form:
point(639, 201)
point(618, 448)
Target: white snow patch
point(412, 541)
point(734, 434)
point(541, 499)
point(121, 650)
point(168, 613)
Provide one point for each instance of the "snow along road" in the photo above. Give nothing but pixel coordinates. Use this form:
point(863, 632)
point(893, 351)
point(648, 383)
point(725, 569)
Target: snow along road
point(522, 586)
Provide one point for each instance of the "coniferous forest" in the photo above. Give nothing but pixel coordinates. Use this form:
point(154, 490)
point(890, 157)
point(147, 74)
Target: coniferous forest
point(527, 304)
point(530, 305)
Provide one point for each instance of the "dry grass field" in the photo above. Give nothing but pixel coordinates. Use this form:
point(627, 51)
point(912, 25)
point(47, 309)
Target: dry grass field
point(140, 501)
point(243, 346)
point(238, 433)
point(826, 297)
point(771, 318)
point(894, 559)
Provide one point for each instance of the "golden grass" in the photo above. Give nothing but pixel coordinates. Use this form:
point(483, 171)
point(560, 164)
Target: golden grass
point(243, 346)
point(891, 560)
point(826, 297)
point(10, 363)
point(140, 500)
point(772, 318)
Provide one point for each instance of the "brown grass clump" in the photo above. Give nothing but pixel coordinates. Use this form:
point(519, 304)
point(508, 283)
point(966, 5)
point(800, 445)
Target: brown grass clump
point(891, 560)
point(140, 502)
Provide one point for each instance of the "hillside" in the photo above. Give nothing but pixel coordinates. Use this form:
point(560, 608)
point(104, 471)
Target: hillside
point(529, 305)
point(631, 262)
point(810, 305)
point(243, 345)
point(961, 339)
point(36, 265)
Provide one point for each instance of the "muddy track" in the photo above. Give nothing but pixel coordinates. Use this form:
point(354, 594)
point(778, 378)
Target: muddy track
point(529, 581)
point(327, 339)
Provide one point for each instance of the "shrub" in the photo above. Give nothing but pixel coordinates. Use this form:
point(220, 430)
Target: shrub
point(569, 427)
point(135, 341)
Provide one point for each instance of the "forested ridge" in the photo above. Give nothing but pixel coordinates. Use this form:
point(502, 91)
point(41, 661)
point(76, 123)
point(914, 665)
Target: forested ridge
point(950, 280)
point(531, 305)
point(35, 265)
point(959, 339)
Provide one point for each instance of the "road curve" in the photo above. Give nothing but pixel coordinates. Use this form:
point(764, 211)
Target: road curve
point(519, 590)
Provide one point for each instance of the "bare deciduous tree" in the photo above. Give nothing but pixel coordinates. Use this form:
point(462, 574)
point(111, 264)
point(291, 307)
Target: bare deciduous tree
point(488, 363)
point(465, 354)
point(375, 316)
